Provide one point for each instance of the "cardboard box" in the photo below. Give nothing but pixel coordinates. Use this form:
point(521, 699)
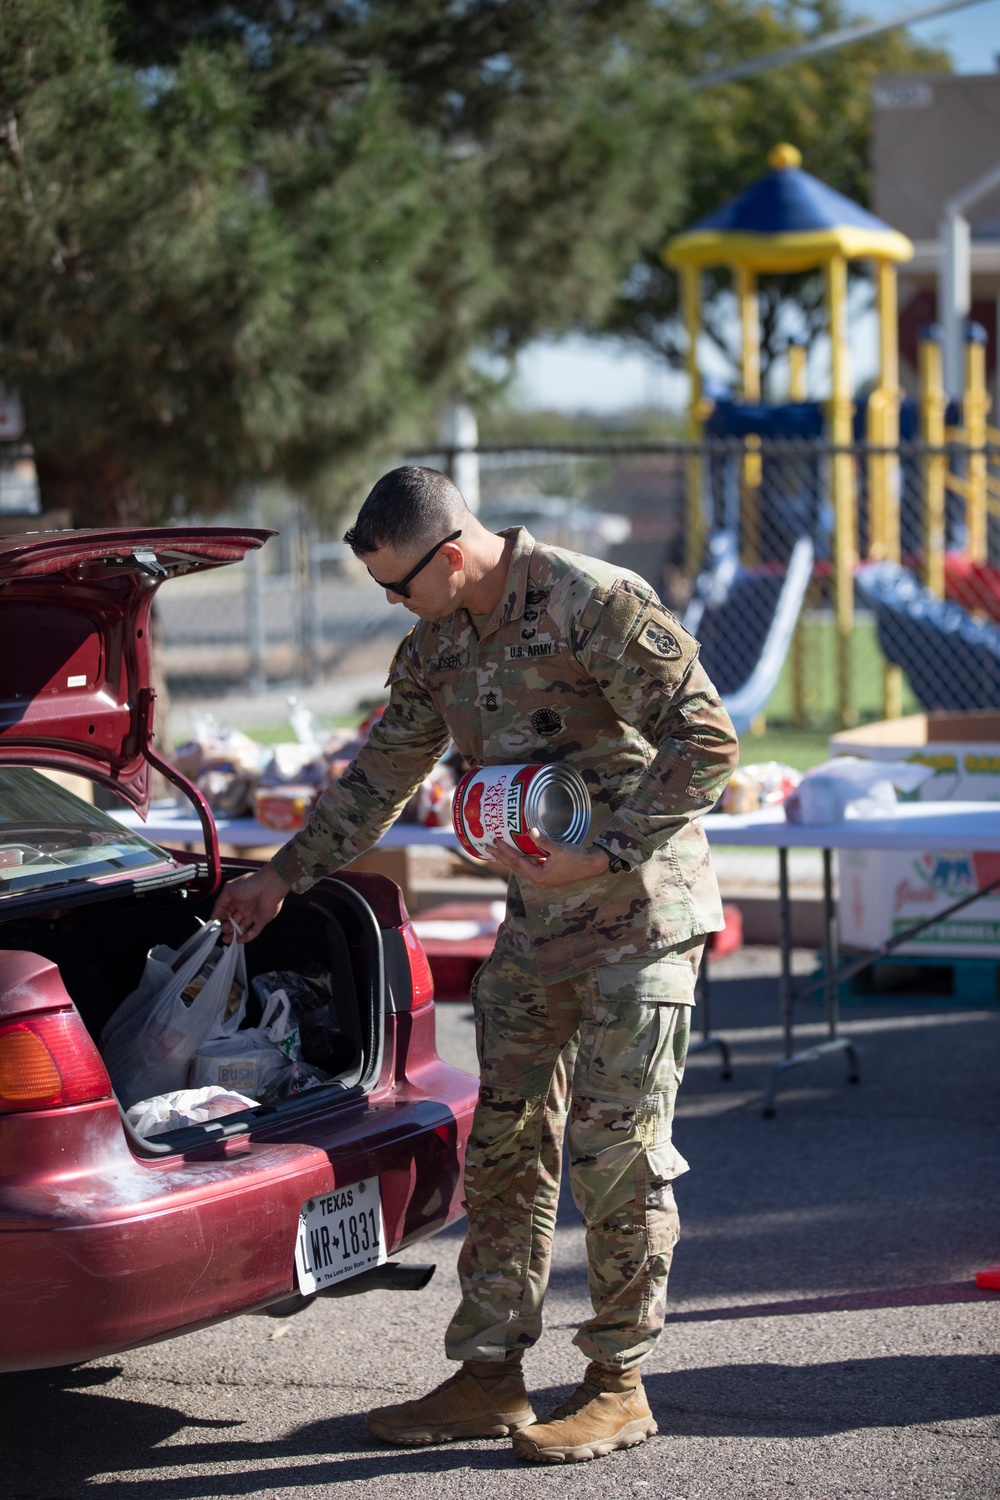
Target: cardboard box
point(963, 749)
point(885, 890)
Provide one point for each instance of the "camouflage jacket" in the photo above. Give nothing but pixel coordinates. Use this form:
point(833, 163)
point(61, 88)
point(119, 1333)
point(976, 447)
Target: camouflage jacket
point(578, 662)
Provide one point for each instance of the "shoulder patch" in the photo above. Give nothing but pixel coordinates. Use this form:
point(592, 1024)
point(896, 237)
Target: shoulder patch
point(662, 646)
point(656, 637)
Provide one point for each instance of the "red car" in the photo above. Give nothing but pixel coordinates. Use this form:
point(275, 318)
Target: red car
point(107, 1240)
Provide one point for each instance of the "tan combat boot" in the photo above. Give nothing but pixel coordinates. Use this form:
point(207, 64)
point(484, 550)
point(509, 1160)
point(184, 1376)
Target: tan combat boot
point(485, 1398)
point(608, 1411)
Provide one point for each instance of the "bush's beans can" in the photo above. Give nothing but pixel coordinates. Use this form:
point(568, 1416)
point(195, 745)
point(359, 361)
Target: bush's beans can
point(500, 803)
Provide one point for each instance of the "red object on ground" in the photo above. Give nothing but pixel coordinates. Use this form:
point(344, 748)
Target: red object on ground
point(454, 958)
point(989, 1279)
point(730, 939)
point(974, 585)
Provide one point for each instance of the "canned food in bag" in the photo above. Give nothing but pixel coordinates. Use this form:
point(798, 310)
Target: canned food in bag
point(498, 804)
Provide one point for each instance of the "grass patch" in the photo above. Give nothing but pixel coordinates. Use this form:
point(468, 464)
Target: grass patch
point(808, 745)
point(800, 748)
point(819, 675)
point(283, 733)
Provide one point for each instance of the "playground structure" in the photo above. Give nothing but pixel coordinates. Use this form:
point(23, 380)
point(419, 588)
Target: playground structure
point(745, 619)
point(874, 479)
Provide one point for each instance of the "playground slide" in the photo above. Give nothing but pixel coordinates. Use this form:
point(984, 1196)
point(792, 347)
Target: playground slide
point(952, 662)
point(744, 618)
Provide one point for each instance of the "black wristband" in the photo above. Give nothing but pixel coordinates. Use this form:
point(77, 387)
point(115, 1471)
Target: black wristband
point(616, 864)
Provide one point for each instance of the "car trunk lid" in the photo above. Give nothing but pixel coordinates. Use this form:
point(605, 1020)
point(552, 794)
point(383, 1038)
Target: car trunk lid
point(75, 651)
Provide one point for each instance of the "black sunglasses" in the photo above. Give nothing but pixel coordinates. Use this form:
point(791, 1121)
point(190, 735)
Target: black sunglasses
point(400, 587)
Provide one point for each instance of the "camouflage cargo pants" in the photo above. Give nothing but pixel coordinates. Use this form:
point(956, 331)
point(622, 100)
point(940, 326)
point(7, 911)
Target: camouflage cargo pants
point(602, 1055)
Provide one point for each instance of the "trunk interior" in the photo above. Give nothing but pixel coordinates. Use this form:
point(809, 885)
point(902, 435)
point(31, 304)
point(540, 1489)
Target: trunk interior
point(100, 949)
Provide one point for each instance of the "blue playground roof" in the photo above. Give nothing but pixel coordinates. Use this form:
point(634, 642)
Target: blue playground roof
point(787, 202)
point(789, 220)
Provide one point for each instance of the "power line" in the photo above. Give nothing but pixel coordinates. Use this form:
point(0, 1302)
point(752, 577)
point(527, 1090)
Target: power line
point(827, 43)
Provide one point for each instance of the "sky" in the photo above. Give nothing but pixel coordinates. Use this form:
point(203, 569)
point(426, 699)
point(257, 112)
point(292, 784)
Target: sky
point(577, 374)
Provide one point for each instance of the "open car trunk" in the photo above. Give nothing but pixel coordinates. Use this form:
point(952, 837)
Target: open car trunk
point(101, 948)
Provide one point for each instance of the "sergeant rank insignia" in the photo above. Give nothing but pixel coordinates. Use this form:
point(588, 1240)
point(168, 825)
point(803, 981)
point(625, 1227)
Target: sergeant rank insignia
point(659, 639)
point(490, 702)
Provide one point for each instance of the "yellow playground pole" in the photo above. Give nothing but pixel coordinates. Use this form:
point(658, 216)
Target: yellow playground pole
point(883, 468)
point(933, 403)
point(798, 385)
point(746, 293)
point(976, 407)
point(798, 390)
point(842, 469)
point(883, 425)
point(694, 539)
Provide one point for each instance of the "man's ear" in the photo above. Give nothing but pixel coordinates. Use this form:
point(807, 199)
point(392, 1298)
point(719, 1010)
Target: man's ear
point(455, 555)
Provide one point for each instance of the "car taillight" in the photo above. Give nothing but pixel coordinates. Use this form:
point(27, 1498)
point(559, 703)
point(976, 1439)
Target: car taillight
point(47, 1061)
point(421, 978)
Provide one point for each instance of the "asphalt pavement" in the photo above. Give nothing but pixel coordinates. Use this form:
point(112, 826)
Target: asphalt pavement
point(825, 1338)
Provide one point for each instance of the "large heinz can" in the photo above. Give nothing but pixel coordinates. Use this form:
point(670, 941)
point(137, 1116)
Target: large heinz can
point(498, 804)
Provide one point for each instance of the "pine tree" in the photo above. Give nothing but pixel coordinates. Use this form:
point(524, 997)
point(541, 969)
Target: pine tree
point(267, 238)
point(262, 240)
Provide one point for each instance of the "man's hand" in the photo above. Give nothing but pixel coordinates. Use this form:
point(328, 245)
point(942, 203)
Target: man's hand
point(563, 863)
point(250, 901)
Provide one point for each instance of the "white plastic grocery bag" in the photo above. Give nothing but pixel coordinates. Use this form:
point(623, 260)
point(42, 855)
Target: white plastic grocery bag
point(183, 998)
point(185, 1107)
point(852, 787)
point(254, 1060)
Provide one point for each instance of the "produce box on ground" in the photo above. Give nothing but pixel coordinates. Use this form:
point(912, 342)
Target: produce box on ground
point(883, 891)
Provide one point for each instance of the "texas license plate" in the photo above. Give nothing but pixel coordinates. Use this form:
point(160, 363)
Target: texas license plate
point(340, 1235)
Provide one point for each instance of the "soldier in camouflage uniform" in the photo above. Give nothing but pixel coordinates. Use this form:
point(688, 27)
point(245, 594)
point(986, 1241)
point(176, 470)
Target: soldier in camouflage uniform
point(530, 653)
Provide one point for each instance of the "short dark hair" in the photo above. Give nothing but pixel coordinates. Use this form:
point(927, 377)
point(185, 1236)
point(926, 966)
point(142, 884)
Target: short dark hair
point(409, 506)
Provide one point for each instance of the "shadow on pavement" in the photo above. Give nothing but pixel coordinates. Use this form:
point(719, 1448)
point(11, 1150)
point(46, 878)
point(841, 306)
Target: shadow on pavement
point(906, 1296)
point(106, 1434)
point(767, 1400)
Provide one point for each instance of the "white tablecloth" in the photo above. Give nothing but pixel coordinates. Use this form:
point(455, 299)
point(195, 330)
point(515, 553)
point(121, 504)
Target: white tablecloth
point(168, 824)
point(914, 825)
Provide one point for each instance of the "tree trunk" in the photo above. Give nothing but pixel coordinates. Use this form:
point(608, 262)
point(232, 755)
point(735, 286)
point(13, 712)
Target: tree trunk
point(99, 489)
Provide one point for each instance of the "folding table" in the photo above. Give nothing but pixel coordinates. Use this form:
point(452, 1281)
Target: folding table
point(913, 825)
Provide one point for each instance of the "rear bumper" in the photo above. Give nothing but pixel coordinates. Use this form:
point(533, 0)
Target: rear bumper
point(136, 1251)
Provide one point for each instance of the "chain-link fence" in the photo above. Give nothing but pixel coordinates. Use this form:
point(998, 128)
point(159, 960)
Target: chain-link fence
point(901, 607)
point(296, 612)
point(303, 609)
point(826, 584)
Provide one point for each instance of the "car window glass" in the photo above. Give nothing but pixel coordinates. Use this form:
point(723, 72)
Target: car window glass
point(48, 836)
